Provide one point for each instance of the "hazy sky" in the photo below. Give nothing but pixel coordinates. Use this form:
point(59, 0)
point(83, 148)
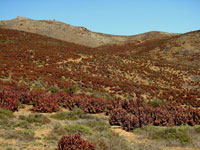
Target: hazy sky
point(122, 17)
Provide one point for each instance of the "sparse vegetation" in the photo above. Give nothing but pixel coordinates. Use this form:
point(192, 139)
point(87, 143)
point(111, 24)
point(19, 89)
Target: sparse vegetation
point(54, 89)
point(10, 148)
point(184, 135)
point(106, 140)
point(75, 114)
point(6, 114)
point(57, 131)
point(22, 124)
point(173, 134)
point(37, 119)
point(6, 124)
point(197, 129)
point(97, 124)
point(73, 89)
point(26, 135)
point(156, 103)
point(74, 128)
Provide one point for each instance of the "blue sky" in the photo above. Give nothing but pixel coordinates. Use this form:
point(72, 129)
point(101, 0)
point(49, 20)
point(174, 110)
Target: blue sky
point(121, 17)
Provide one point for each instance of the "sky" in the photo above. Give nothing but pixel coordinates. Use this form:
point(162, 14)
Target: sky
point(119, 17)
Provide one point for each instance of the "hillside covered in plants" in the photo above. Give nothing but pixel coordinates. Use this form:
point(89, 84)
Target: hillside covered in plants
point(134, 85)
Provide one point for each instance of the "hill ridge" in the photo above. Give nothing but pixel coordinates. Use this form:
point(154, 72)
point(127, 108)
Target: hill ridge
point(76, 34)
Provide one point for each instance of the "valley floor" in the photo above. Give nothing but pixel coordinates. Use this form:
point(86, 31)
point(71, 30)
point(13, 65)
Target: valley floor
point(41, 131)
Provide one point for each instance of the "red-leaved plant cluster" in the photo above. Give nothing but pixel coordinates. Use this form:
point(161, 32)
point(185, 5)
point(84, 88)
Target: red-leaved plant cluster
point(74, 142)
point(128, 114)
point(43, 102)
point(8, 99)
point(116, 70)
point(88, 104)
point(135, 114)
point(11, 95)
point(44, 61)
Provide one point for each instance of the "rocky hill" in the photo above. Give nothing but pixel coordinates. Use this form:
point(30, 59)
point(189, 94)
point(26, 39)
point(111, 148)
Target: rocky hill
point(75, 34)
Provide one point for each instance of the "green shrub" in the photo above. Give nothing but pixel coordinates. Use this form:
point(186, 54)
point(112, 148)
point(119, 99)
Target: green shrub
point(54, 89)
point(75, 114)
point(37, 119)
point(5, 113)
point(23, 135)
point(179, 134)
point(107, 140)
point(98, 124)
point(197, 129)
point(74, 128)
point(27, 135)
point(173, 134)
point(73, 89)
point(147, 130)
point(156, 103)
point(10, 148)
point(22, 124)
point(6, 124)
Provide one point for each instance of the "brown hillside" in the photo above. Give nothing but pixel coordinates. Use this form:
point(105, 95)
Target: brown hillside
point(78, 35)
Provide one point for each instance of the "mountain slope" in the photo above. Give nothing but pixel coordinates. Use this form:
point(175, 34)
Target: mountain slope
point(159, 63)
point(136, 84)
point(79, 35)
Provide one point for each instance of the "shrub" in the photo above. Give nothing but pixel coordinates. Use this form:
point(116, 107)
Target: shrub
point(62, 98)
point(27, 134)
point(92, 105)
point(116, 116)
point(54, 89)
point(45, 103)
point(98, 124)
point(173, 134)
point(197, 129)
point(24, 98)
point(5, 113)
point(86, 103)
point(22, 135)
point(74, 142)
point(8, 99)
point(107, 140)
point(72, 90)
point(179, 134)
point(78, 128)
point(6, 123)
point(22, 124)
point(10, 148)
point(156, 103)
point(38, 119)
point(137, 114)
point(75, 114)
point(65, 116)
